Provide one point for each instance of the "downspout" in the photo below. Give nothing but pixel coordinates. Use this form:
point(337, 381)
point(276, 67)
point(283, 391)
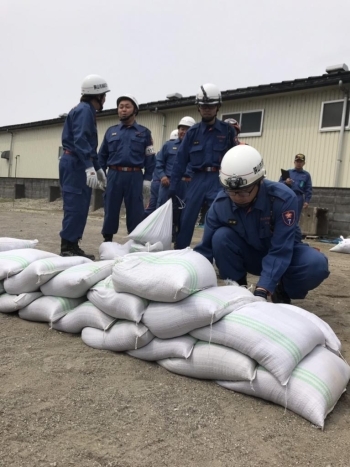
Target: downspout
point(156, 111)
point(10, 159)
point(341, 135)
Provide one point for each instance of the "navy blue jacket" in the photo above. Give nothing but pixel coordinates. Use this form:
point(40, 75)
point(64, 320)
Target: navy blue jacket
point(128, 146)
point(269, 225)
point(203, 146)
point(79, 135)
point(166, 158)
point(302, 185)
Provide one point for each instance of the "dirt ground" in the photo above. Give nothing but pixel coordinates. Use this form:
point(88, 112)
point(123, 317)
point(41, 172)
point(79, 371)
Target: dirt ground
point(65, 404)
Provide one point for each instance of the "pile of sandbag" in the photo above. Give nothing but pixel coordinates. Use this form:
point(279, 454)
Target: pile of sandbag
point(343, 246)
point(166, 307)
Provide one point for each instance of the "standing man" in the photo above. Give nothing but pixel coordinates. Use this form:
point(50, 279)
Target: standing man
point(79, 170)
point(165, 161)
point(251, 228)
point(203, 148)
point(233, 122)
point(126, 150)
point(300, 182)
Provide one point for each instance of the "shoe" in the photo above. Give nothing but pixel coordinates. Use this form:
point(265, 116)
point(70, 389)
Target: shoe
point(280, 295)
point(108, 237)
point(72, 249)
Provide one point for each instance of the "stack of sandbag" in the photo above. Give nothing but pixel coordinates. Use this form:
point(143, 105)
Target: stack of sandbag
point(65, 290)
point(342, 247)
point(13, 263)
point(152, 234)
point(8, 243)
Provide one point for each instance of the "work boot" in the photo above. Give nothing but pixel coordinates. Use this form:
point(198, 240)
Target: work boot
point(108, 237)
point(72, 249)
point(280, 295)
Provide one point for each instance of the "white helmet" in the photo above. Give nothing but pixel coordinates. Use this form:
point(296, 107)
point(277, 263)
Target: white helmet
point(208, 94)
point(186, 121)
point(94, 84)
point(174, 135)
point(241, 167)
point(131, 98)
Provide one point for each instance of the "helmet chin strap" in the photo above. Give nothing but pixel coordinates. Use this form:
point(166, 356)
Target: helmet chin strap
point(126, 117)
point(99, 100)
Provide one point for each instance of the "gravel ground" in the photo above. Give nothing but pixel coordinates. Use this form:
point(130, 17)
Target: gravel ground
point(63, 403)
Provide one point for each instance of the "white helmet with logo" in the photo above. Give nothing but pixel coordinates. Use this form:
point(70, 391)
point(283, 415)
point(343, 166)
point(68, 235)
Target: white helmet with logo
point(241, 167)
point(174, 135)
point(186, 121)
point(208, 94)
point(131, 98)
point(94, 84)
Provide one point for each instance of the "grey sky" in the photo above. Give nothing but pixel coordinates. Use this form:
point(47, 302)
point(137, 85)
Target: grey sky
point(150, 48)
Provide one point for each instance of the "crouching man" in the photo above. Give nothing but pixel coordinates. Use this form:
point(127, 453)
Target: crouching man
point(251, 227)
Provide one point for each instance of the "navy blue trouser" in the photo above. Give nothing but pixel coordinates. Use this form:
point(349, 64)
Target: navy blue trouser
point(121, 186)
point(152, 205)
point(234, 258)
point(76, 197)
point(181, 192)
point(204, 186)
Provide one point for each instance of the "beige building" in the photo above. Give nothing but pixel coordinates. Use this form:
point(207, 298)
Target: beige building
point(309, 115)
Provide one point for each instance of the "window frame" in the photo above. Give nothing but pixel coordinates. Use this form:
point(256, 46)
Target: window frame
point(332, 128)
point(241, 112)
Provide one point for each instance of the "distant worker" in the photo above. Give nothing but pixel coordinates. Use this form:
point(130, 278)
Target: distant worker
point(233, 122)
point(300, 182)
point(165, 161)
point(155, 183)
point(203, 148)
point(251, 228)
point(79, 170)
point(126, 150)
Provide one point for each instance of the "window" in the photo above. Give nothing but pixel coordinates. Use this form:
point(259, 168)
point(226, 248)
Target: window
point(60, 152)
point(331, 115)
point(250, 121)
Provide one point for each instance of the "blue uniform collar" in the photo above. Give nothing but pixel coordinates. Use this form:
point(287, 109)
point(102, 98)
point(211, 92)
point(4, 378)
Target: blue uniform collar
point(204, 126)
point(134, 125)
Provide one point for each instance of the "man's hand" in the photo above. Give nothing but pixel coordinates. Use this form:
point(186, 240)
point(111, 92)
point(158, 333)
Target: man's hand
point(91, 178)
point(305, 205)
point(261, 293)
point(289, 181)
point(165, 181)
point(101, 177)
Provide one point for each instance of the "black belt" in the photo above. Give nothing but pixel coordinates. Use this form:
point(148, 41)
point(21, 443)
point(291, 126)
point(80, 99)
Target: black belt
point(124, 169)
point(209, 169)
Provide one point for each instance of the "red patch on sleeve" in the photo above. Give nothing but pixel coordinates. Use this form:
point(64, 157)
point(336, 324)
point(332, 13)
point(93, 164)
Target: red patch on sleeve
point(288, 218)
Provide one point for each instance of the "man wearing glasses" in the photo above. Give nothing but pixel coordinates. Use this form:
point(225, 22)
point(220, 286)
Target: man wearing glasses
point(202, 150)
point(252, 228)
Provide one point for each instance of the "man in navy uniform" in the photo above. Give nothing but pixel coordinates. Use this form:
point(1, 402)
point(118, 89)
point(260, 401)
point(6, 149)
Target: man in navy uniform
point(252, 228)
point(203, 148)
point(126, 150)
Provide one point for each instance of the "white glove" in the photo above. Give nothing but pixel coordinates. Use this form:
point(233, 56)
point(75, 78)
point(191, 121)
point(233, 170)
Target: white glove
point(91, 178)
point(101, 177)
point(146, 184)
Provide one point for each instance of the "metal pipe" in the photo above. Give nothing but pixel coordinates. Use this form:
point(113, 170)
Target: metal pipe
point(341, 135)
point(156, 111)
point(10, 158)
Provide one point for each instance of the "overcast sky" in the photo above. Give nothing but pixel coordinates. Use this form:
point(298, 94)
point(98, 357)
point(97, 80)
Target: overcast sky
point(150, 48)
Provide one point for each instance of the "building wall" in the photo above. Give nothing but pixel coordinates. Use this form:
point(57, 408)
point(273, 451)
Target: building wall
point(290, 125)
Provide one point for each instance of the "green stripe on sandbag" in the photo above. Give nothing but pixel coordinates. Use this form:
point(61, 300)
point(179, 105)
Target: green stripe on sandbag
point(312, 380)
point(17, 259)
point(147, 228)
point(268, 331)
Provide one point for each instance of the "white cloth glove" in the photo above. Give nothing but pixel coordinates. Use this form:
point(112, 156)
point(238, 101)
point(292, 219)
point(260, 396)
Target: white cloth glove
point(101, 177)
point(146, 184)
point(91, 178)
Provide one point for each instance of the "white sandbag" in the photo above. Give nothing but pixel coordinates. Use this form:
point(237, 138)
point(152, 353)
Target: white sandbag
point(7, 243)
point(332, 341)
point(166, 276)
point(119, 305)
point(85, 315)
point(207, 361)
point(76, 281)
point(49, 309)
point(11, 303)
point(157, 227)
point(2, 289)
point(167, 320)
point(122, 336)
point(159, 349)
point(14, 261)
point(39, 272)
point(342, 247)
point(274, 336)
point(313, 390)
point(113, 250)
